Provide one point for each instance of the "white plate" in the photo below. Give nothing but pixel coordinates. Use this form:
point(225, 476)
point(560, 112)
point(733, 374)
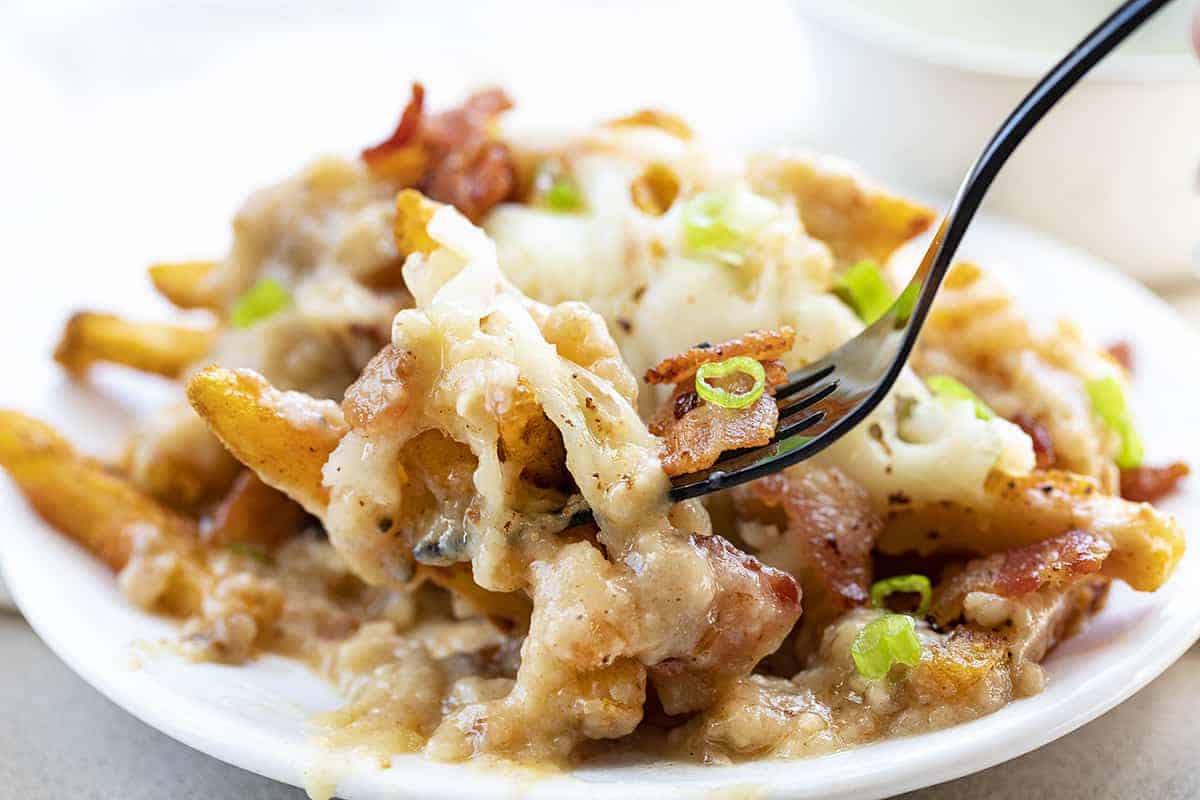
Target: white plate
point(254, 716)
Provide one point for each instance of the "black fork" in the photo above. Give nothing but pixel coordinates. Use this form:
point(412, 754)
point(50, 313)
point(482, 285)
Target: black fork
point(822, 402)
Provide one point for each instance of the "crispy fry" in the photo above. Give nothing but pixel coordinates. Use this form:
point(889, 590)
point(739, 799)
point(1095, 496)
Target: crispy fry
point(82, 498)
point(1146, 545)
point(173, 457)
point(254, 513)
point(185, 283)
point(285, 437)
point(146, 346)
point(413, 212)
point(857, 220)
point(509, 610)
point(655, 118)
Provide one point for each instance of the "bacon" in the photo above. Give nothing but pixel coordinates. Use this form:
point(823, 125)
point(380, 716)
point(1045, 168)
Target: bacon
point(1122, 353)
point(696, 432)
point(1054, 563)
point(1043, 445)
point(755, 608)
point(450, 156)
point(827, 530)
point(1151, 484)
point(760, 345)
point(405, 133)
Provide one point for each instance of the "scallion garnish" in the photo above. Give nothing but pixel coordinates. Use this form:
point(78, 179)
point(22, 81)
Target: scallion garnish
point(1109, 403)
point(864, 288)
point(917, 584)
point(719, 224)
point(946, 388)
point(722, 369)
point(563, 195)
point(263, 299)
point(884, 641)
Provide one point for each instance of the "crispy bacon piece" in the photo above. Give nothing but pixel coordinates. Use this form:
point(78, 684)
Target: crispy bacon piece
point(755, 609)
point(1122, 353)
point(450, 156)
point(405, 134)
point(695, 432)
point(1053, 563)
point(759, 345)
point(1151, 484)
point(826, 529)
point(1043, 445)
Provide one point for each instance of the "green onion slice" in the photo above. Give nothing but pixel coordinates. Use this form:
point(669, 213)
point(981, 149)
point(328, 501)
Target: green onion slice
point(946, 388)
point(265, 298)
point(722, 369)
point(555, 189)
point(1109, 403)
point(918, 584)
point(864, 288)
point(887, 640)
point(719, 224)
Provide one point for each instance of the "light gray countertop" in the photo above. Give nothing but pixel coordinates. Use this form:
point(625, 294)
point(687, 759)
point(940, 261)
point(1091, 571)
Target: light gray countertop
point(59, 738)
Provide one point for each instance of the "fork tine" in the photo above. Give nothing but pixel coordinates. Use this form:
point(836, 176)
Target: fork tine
point(804, 378)
point(787, 410)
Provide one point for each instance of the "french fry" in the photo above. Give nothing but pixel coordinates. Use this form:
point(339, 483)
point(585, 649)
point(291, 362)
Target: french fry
point(254, 513)
point(509, 610)
point(413, 212)
point(856, 219)
point(81, 497)
point(1146, 544)
point(285, 437)
point(186, 283)
point(172, 456)
point(146, 346)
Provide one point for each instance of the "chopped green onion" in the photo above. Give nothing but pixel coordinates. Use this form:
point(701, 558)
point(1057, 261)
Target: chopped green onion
point(250, 551)
point(918, 584)
point(722, 369)
point(864, 288)
point(262, 300)
point(707, 228)
point(1108, 401)
point(946, 388)
point(719, 224)
point(889, 639)
point(563, 195)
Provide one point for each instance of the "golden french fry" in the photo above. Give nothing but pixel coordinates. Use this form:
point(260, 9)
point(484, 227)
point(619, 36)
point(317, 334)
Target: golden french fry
point(509, 610)
point(173, 456)
point(413, 212)
point(856, 219)
point(256, 514)
point(1146, 544)
point(147, 346)
point(285, 437)
point(655, 118)
point(186, 283)
point(81, 497)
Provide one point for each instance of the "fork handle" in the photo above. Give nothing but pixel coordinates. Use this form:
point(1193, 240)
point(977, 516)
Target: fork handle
point(1048, 91)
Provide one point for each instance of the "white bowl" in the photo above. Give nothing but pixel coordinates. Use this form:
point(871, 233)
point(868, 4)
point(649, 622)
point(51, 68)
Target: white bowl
point(1112, 168)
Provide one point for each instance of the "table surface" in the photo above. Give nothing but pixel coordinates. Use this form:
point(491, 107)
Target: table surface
point(61, 738)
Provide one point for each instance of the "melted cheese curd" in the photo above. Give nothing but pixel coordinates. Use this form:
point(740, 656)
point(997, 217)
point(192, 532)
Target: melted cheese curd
point(451, 602)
